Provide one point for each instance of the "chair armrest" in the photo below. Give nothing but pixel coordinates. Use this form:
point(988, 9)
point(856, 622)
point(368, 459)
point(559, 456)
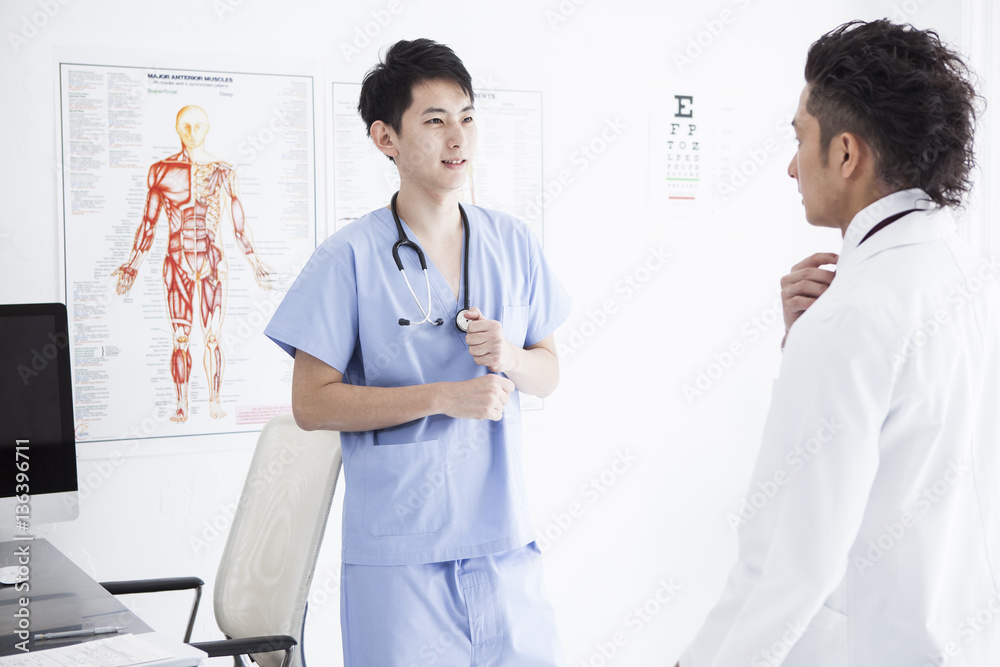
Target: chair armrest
point(245, 646)
point(152, 585)
point(133, 586)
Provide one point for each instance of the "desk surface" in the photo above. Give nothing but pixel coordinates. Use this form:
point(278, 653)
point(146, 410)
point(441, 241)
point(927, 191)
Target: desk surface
point(60, 597)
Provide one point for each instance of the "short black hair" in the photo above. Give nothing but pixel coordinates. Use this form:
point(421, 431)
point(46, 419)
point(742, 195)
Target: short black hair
point(906, 94)
point(387, 90)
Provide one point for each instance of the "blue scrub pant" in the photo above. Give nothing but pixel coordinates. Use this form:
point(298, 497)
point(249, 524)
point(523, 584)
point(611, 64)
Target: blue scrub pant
point(482, 612)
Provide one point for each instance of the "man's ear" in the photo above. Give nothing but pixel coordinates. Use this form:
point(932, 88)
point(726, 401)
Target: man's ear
point(848, 152)
point(384, 139)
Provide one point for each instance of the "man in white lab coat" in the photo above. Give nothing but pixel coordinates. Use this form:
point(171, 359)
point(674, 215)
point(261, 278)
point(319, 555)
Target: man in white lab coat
point(871, 536)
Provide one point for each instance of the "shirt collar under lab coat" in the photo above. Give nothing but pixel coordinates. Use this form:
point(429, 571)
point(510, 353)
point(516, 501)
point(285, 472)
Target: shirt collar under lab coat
point(916, 228)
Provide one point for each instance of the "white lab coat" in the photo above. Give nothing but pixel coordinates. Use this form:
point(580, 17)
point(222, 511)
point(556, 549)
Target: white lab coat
point(870, 536)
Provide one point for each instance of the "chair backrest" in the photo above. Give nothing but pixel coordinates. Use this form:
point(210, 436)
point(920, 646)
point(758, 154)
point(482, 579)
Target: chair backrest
point(270, 556)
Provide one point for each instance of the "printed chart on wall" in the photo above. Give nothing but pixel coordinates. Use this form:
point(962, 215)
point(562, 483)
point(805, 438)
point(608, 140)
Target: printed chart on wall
point(688, 134)
point(188, 206)
point(506, 172)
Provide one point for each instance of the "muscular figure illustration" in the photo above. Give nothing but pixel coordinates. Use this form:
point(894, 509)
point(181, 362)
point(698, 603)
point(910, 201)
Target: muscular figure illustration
point(195, 190)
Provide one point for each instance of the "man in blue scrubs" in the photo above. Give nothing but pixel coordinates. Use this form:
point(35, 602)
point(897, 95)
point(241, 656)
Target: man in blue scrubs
point(440, 567)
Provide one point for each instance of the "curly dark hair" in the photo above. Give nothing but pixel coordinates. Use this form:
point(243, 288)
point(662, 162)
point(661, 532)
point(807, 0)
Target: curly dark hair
point(387, 89)
point(906, 94)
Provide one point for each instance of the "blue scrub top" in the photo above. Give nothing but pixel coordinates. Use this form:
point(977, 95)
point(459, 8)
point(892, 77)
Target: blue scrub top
point(437, 488)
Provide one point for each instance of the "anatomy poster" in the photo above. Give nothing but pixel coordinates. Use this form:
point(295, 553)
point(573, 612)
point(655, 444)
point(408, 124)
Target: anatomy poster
point(506, 171)
point(188, 207)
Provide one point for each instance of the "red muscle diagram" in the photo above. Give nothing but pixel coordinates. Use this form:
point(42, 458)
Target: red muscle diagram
point(196, 192)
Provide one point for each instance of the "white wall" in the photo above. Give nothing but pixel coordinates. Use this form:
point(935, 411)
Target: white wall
point(663, 517)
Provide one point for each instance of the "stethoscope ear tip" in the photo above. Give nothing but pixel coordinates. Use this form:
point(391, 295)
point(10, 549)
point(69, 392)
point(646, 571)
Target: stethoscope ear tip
point(438, 322)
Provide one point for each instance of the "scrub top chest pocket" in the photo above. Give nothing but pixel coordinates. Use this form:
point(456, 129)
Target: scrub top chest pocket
point(406, 489)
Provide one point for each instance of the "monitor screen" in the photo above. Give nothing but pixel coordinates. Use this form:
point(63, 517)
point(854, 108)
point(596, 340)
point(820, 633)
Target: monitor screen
point(37, 444)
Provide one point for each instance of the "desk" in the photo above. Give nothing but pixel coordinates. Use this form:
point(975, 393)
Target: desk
point(62, 597)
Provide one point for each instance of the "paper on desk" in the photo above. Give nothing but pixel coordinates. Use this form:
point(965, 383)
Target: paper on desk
point(151, 649)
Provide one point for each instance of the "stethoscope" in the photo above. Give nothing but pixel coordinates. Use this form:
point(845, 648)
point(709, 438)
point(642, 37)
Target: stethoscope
point(460, 320)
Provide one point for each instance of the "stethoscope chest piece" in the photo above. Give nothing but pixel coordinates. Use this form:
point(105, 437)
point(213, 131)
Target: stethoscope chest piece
point(462, 322)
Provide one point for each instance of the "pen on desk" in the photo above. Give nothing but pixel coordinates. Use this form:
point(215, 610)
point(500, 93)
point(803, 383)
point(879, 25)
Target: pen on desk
point(79, 633)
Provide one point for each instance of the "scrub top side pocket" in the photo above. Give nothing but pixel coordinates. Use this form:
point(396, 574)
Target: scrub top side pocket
point(514, 320)
point(406, 489)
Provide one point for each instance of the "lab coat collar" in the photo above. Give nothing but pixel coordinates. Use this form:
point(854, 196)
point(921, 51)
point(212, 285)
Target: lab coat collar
point(908, 229)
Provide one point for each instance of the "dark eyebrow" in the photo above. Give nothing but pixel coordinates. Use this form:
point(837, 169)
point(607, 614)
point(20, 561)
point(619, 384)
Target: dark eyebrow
point(439, 110)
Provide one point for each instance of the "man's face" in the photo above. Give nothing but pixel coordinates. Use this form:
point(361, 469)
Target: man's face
point(437, 137)
point(816, 177)
point(192, 126)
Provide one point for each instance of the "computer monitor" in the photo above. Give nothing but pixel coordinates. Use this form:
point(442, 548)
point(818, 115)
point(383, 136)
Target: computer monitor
point(37, 443)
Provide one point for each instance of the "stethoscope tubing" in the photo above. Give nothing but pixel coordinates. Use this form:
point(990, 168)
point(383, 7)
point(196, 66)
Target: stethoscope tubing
point(404, 241)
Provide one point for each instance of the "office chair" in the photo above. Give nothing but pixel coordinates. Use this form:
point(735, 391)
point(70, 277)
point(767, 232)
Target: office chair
point(267, 566)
